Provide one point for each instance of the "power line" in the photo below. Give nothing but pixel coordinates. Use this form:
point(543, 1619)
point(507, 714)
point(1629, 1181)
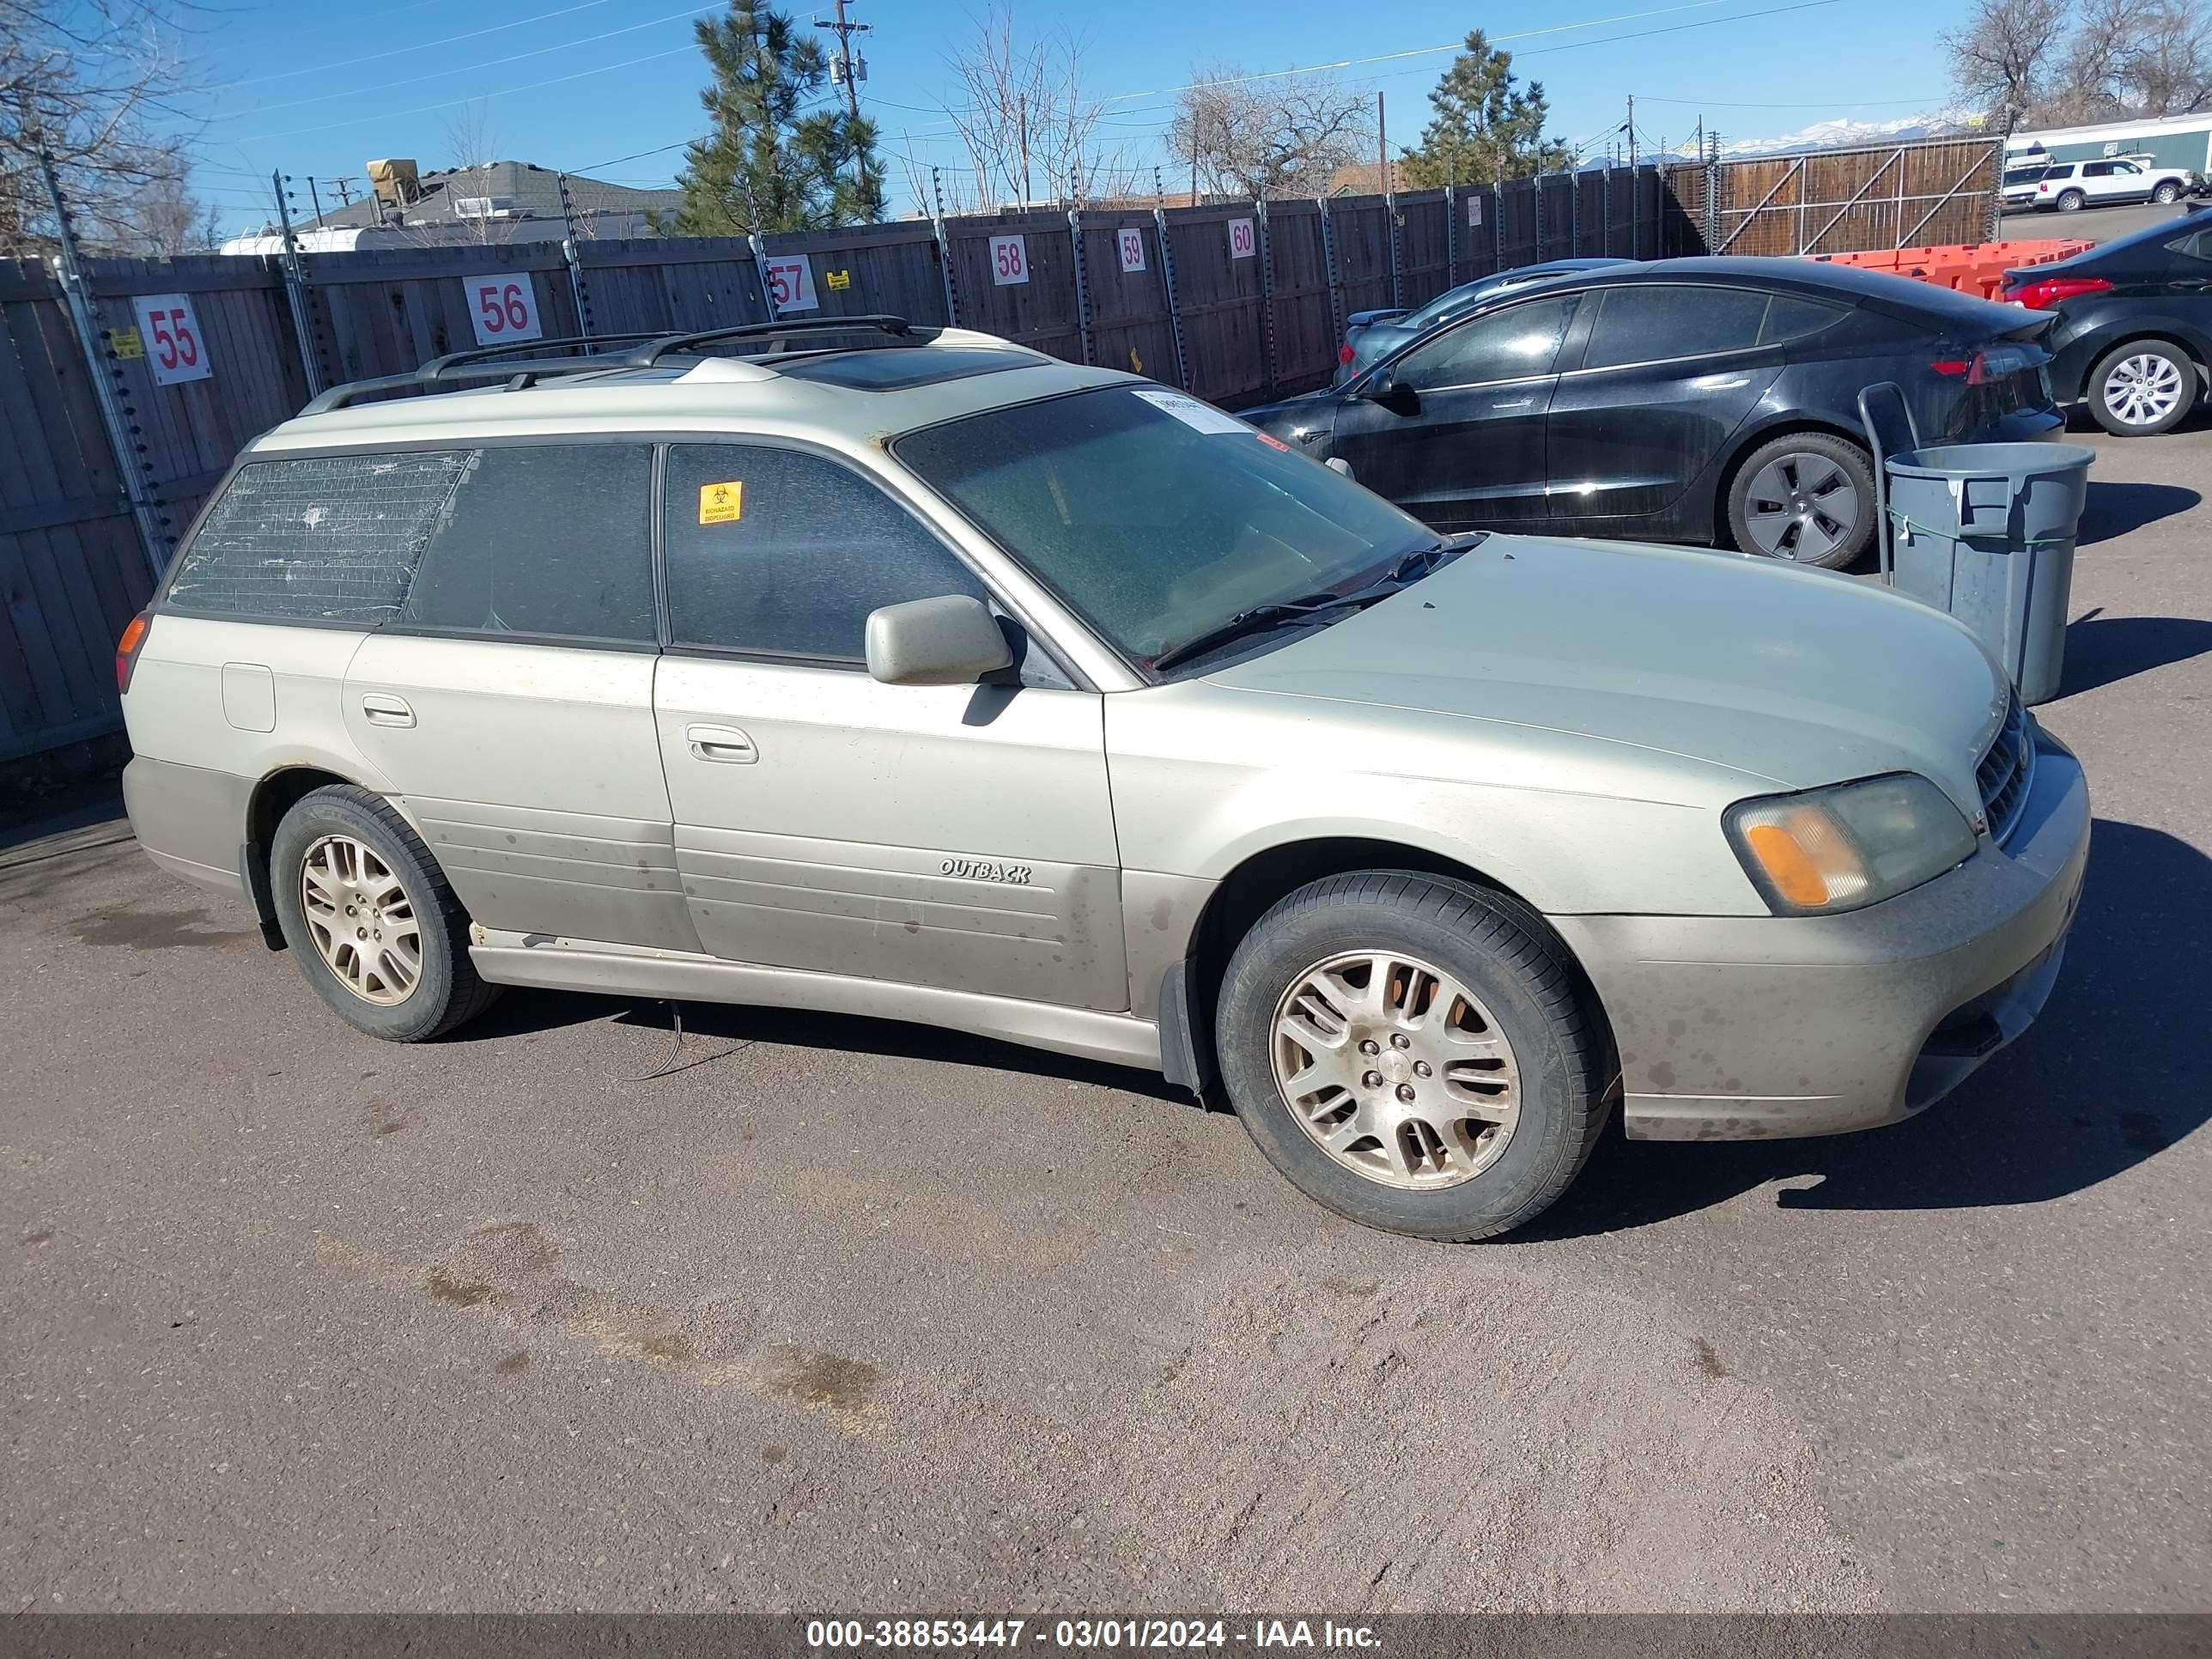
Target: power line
point(469, 68)
point(417, 46)
point(1798, 104)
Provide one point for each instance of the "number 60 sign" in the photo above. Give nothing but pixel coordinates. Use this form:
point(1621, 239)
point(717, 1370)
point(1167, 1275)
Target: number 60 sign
point(502, 308)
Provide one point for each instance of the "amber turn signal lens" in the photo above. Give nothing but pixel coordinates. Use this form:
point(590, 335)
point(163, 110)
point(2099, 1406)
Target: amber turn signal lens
point(1794, 876)
point(126, 648)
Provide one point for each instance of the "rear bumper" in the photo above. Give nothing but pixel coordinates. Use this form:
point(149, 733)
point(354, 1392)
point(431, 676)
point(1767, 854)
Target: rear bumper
point(1747, 1028)
point(191, 820)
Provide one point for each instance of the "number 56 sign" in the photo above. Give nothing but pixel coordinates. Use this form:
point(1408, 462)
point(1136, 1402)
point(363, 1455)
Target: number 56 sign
point(171, 335)
point(502, 308)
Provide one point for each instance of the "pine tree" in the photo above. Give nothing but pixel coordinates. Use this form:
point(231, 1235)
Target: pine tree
point(769, 163)
point(1485, 127)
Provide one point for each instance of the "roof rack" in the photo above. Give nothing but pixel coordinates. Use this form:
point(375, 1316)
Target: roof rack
point(597, 353)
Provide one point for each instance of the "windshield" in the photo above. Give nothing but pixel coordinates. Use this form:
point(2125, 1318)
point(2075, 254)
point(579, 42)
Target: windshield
point(2026, 175)
point(1156, 516)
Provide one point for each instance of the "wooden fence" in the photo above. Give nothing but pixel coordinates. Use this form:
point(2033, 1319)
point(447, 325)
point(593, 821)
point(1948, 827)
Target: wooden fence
point(1840, 201)
point(1235, 301)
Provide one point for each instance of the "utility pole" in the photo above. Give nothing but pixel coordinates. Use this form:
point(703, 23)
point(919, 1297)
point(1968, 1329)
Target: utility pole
point(315, 198)
point(847, 69)
point(1632, 130)
point(1021, 119)
point(344, 188)
point(1381, 147)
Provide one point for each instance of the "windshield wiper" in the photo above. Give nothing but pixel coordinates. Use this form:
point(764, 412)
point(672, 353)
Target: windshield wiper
point(1419, 561)
point(1261, 617)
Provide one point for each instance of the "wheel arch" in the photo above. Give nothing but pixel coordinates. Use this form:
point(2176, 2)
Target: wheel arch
point(1190, 990)
point(2103, 344)
point(277, 794)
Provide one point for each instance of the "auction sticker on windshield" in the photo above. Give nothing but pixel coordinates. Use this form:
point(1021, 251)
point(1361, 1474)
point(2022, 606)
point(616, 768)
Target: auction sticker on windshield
point(1190, 411)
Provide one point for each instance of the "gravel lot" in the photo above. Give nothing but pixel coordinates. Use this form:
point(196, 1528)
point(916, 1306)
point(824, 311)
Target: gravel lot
point(846, 1315)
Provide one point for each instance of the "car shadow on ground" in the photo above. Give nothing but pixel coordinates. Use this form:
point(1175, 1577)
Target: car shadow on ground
point(2105, 1079)
point(2112, 510)
point(2102, 649)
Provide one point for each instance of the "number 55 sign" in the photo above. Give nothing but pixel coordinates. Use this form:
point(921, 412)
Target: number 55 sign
point(174, 351)
point(502, 308)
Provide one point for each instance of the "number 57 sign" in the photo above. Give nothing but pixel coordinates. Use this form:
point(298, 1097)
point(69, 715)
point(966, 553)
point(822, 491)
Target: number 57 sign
point(502, 308)
point(170, 334)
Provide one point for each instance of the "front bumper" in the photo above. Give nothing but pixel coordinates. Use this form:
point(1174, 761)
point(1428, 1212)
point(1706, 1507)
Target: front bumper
point(1747, 1028)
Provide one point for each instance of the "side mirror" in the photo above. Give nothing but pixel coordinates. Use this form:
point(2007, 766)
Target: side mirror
point(1391, 393)
point(952, 640)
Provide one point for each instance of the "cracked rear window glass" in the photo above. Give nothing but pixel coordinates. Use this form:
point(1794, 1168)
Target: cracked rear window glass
point(321, 539)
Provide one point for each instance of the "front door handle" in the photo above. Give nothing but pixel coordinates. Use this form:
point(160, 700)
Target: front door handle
point(384, 710)
point(720, 743)
point(1517, 403)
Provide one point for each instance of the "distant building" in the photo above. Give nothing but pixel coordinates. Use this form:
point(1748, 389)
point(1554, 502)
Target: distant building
point(499, 202)
point(2170, 141)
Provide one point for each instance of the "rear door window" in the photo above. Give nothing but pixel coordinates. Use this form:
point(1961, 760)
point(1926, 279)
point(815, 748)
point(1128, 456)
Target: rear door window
point(328, 538)
point(1657, 323)
point(551, 541)
point(783, 553)
point(1513, 343)
point(1791, 318)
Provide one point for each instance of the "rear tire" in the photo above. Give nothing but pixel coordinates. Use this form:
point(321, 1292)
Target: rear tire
point(2142, 388)
point(1471, 1089)
point(2072, 201)
point(376, 929)
point(1807, 497)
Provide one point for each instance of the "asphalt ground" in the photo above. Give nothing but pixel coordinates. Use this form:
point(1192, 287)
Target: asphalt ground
point(837, 1315)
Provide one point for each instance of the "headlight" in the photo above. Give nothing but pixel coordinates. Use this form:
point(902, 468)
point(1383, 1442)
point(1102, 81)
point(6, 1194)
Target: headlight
point(1849, 846)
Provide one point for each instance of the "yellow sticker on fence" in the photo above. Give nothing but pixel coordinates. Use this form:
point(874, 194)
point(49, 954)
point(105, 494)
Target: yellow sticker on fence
point(127, 342)
point(721, 503)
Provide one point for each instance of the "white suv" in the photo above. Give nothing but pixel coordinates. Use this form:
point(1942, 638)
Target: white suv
point(2069, 186)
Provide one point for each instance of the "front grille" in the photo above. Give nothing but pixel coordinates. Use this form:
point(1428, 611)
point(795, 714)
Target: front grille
point(2007, 769)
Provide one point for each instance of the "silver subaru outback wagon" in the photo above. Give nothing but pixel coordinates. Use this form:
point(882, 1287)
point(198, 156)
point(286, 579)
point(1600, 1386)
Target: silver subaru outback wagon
point(910, 673)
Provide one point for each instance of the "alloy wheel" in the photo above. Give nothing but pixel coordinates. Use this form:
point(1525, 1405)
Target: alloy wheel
point(362, 918)
point(2142, 390)
point(1395, 1070)
point(1802, 506)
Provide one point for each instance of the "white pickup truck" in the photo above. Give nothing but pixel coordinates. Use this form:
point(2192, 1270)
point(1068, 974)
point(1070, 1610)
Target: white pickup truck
point(2069, 186)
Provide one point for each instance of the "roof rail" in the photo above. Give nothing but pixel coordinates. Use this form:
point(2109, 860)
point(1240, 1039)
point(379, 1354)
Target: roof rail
point(596, 354)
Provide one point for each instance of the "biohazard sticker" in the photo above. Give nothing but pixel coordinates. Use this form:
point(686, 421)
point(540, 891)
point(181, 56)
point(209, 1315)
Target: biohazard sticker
point(721, 503)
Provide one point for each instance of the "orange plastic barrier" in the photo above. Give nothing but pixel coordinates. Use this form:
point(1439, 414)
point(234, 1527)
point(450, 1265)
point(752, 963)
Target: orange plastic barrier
point(1976, 267)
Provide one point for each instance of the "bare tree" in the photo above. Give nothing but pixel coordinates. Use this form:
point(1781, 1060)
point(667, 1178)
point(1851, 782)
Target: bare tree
point(472, 147)
point(1032, 132)
point(2165, 63)
point(1280, 136)
point(94, 84)
point(2004, 56)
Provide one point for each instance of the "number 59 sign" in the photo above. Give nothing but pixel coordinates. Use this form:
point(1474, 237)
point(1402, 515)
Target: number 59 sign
point(502, 308)
point(175, 350)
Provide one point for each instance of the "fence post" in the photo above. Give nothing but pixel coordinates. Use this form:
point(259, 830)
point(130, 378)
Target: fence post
point(1390, 206)
point(1168, 292)
point(575, 260)
point(760, 275)
point(1712, 191)
point(1267, 296)
point(296, 291)
point(1574, 213)
point(945, 249)
point(107, 389)
point(1606, 209)
point(1082, 284)
point(1451, 238)
point(1328, 268)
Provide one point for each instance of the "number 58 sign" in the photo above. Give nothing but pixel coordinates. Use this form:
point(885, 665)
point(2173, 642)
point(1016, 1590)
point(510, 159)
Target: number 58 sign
point(175, 350)
point(502, 308)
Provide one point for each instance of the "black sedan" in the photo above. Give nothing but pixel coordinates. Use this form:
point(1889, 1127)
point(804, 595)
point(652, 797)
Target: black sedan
point(2134, 336)
point(1685, 400)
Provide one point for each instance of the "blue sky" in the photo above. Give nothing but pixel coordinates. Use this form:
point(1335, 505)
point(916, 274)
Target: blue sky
point(588, 84)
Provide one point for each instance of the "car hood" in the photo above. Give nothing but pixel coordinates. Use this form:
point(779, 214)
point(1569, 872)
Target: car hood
point(1790, 677)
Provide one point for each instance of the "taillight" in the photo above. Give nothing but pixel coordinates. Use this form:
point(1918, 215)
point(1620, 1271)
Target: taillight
point(1344, 353)
point(2042, 293)
point(127, 648)
point(1990, 363)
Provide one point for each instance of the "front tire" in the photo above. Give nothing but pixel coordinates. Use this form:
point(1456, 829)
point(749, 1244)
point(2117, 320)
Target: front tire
point(2142, 388)
point(2167, 193)
point(1412, 1052)
point(2072, 201)
point(367, 912)
point(1807, 497)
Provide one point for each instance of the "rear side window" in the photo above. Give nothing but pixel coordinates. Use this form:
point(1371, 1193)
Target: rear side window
point(554, 541)
point(322, 538)
point(2198, 245)
point(1789, 318)
point(2063, 170)
point(783, 553)
point(1654, 324)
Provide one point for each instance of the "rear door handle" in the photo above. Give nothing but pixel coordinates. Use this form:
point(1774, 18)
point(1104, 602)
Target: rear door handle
point(1517, 403)
point(384, 710)
point(720, 743)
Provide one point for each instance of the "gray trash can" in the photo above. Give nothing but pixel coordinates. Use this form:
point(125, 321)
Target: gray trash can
point(1986, 532)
